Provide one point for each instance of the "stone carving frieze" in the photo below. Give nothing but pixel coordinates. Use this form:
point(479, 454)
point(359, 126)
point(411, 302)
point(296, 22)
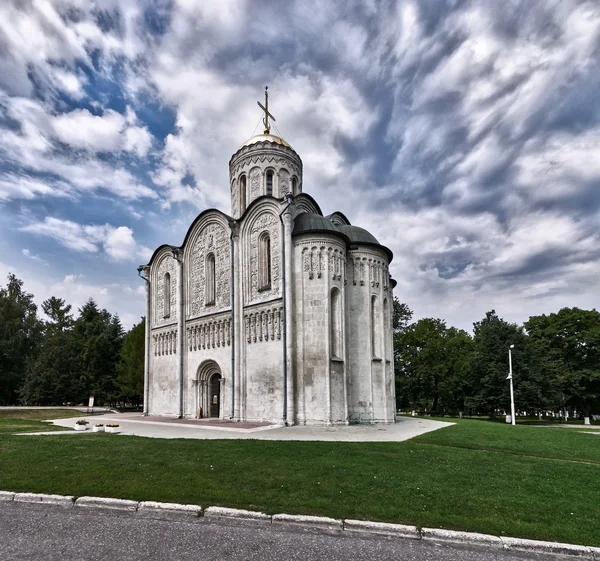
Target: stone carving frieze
point(209, 333)
point(320, 256)
point(263, 324)
point(214, 238)
point(165, 342)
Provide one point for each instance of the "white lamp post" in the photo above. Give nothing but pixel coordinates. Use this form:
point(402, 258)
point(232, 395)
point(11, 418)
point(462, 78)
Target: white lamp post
point(510, 378)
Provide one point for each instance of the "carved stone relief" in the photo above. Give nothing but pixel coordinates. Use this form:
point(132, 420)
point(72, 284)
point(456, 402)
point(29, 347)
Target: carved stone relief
point(235, 199)
point(314, 259)
point(165, 343)
point(166, 265)
point(255, 181)
point(265, 222)
point(263, 325)
point(214, 239)
point(284, 182)
point(209, 333)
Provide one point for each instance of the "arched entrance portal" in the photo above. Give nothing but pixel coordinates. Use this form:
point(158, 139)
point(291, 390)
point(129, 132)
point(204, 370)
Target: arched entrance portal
point(215, 395)
point(209, 390)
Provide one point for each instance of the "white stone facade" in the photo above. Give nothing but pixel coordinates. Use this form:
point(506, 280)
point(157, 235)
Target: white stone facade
point(275, 313)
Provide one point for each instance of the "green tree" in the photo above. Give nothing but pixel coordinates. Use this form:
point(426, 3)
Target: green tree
point(431, 366)
point(570, 339)
point(130, 370)
point(51, 377)
point(535, 380)
point(98, 337)
point(19, 337)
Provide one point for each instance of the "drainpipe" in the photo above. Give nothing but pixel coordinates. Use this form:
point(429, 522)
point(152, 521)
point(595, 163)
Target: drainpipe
point(289, 199)
point(177, 255)
point(146, 270)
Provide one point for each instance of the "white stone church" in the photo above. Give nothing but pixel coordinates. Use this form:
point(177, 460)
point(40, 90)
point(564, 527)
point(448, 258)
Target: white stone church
point(274, 313)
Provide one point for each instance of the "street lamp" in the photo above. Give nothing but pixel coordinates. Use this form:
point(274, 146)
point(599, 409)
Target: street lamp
point(510, 377)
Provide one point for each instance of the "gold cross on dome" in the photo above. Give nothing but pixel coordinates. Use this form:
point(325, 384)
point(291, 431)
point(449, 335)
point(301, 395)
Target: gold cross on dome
point(265, 108)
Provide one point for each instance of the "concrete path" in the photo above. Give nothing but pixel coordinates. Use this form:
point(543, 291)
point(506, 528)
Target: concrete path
point(54, 533)
point(133, 424)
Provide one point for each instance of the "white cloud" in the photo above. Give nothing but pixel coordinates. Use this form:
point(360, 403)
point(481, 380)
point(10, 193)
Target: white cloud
point(33, 257)
point(117, 243)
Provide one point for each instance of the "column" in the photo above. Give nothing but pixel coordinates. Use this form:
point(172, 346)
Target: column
point(289, 323)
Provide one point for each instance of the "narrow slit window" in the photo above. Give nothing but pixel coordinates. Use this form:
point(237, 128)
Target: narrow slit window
point(374, 326)
point(336, 324)
point(270, 183)
point(167, 295)
point(210, 279)
point(242, 194)
point(294, 186)
point(264, 262)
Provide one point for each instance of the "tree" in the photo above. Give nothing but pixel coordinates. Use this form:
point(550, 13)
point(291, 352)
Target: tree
point(431, 366)
point(130, 370)
point(98, 337)
point(19, 337)
point(51, 377)
point(535, 381)
point(570, 339)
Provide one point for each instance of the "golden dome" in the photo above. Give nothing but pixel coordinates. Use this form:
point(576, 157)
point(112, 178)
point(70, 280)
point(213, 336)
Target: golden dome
point(265, 137)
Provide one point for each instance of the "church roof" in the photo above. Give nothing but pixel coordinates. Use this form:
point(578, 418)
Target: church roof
point(358, 235)
point(265, 138)
point(308, 222)
point(354, 235)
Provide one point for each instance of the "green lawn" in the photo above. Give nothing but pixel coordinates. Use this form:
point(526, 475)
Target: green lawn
point(28, 420)
point(475, 476)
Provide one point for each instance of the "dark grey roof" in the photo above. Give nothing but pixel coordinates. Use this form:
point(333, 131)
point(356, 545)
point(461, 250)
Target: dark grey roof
point(358, 235)
point(308, 222)
point(354, 235)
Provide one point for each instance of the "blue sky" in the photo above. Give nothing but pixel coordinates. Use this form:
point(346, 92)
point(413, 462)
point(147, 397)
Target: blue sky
point(464, 135)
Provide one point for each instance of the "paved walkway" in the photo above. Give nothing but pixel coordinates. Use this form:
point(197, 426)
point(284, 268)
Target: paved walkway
point(133, 424)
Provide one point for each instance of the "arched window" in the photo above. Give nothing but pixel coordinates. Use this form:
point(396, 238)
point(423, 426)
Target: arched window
point(374, 330)
point(264, 261)
point(335, 324)
point(210, 279)
point(242, 194)
point(167, 295)
point(270, 183)
point(294, 186)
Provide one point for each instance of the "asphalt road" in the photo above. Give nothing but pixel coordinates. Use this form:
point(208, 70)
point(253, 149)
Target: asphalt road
point(44, 532)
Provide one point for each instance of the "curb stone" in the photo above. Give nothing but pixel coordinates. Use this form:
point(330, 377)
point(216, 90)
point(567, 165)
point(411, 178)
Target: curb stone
point(101, 502)
point(312, 521)
point(61, 500)
point(438, 534)
point(219, 511)
point(382, 528)
point(168, 510)
point(547, 547)
point(365, 526)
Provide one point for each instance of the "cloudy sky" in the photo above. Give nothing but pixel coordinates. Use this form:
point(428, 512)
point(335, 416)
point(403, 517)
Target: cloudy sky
point(464, 135)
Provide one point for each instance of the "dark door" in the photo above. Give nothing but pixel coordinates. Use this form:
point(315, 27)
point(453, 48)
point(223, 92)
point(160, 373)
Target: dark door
point(215, 395)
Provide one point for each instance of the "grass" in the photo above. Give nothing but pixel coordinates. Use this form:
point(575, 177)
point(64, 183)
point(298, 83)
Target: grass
point(483, 477)
point(28, 420)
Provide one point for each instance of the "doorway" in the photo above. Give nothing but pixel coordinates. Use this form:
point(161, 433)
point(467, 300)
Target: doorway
point(215, 395)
